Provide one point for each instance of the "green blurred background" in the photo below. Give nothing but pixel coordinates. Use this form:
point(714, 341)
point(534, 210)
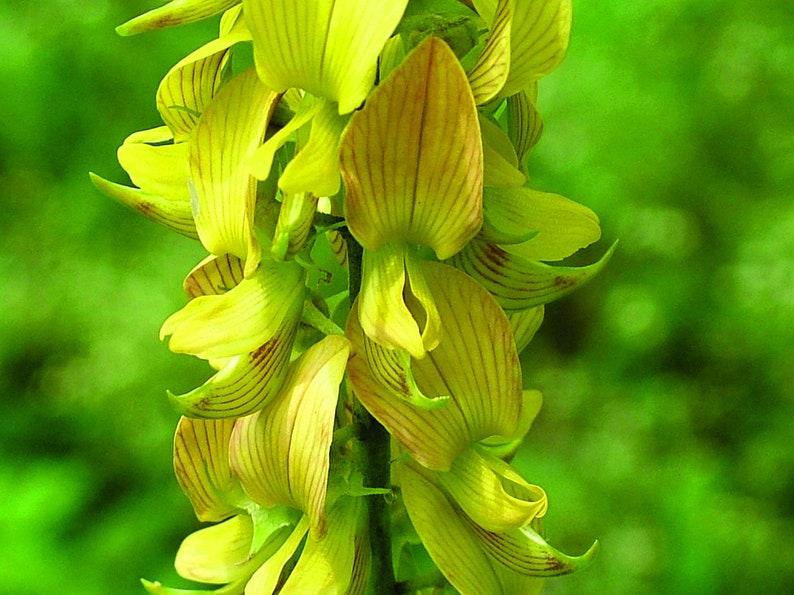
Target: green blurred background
point(668, 425)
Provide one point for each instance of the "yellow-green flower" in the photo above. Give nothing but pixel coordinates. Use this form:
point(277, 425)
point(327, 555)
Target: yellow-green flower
point(244, 327)
point(412, 164)
point(265, 478)
point(456, 488)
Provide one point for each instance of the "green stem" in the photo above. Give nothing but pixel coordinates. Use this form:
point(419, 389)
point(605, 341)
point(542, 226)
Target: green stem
point(373, 456)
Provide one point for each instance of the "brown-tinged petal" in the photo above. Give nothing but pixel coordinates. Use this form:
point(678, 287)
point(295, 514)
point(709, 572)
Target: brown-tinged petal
point(281, 453)
point(412, 157)
point(201, 463)
point(475, 363)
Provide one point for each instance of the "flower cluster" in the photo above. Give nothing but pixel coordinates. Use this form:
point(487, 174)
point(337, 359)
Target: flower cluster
point(357, 177)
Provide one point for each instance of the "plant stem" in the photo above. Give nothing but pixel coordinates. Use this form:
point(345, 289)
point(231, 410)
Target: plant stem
point(373, 456)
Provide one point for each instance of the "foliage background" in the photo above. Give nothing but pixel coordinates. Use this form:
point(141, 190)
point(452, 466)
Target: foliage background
point(668, 425)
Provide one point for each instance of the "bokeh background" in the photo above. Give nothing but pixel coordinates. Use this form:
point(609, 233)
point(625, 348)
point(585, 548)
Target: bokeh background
point(668, 425)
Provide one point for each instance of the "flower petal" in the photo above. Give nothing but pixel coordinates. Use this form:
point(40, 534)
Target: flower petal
point(525, 324)
point(315, 168)
point(281, 453)
point(192, 83)
point(501, 162)
point(540, 34)
point(491, 492)
point(240, 320)
point(524, 552)
point(156, 164)
point(326, 47)
point(246, 383)
point(228, 132)
point(488, 74)
point(524, 122)
point(446, 536)
point(295, 219)
point(201, 463)
point(266, 579)
point(176, 12)
point(562, 226)
point(215, 275)
point(412, 157)
point(382, 312)
point(517, 283)
point(173, 214)
point(327, 566)
point(217, 554)
point(475, 363)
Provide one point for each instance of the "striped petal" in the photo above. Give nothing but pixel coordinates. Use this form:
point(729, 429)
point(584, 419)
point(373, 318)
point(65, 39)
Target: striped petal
point(240, 320)
point(215, 275)
point(557, 225)
point(524, 122)
point(475, 363)
point(389, 274)
point(517, 283)
point(502, 168)
point(192, 83)
point(412, 157)
point(201, 463)
point(448, 539)
point(173, 14)
point(525, 324)
point(218, 554)
point(327, 566)
point(490, 70)
point(524, 552)
point(540, 33)
point(245, 383)
point(265, 580)
point(295, 219)
point(315, 168)
point(281, 453)
point(223, 190)
point(173, 214)
point(326, 47)
point(491, 493)
point(473, 559)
